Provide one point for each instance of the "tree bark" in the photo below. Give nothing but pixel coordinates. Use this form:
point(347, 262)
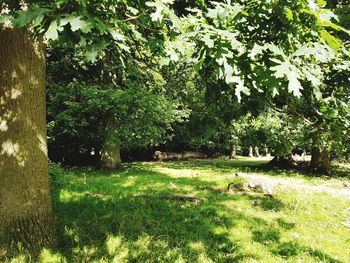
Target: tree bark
point(315, 157)
point(26, 216)
point(256, 151)
point(320, 160)
point(110, 154)
point(233, 152)
point(266, 152)
point(250, 154)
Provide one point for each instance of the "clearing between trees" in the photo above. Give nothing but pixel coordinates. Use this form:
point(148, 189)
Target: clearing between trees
point(164, 212)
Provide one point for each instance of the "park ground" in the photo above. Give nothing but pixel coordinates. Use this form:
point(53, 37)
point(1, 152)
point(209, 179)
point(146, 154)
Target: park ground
point(130, 216)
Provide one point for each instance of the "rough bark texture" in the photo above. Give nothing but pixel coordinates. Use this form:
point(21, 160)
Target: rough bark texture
point(25, 202)
point(320, 160)
point(315, 157)
point(233, 152)
point(110, 156)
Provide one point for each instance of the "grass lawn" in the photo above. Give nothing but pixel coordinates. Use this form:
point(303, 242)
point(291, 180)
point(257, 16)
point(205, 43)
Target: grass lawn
point(107, 216)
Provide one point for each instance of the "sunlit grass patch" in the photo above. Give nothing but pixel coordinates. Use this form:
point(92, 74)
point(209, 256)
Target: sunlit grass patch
point(135, 224)
point(122, 216)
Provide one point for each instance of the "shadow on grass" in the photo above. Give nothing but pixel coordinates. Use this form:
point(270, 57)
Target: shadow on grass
point(266, 203)
point(102, 215)
point(99, 207)
point(175, 230)
point(270, 237)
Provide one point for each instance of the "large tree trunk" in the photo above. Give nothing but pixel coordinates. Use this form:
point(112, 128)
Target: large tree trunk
point(110, 156)
point(25, 202)
point(233, 151)
point(320, 160)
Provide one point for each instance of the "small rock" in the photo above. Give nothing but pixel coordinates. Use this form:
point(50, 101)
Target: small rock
point(346, 223)
point(256, 202)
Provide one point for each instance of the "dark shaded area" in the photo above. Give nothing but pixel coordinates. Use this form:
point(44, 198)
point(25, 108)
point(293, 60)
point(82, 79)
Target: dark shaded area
point(268, 204)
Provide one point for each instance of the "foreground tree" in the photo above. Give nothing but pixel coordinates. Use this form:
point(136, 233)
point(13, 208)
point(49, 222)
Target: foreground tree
point(25, 202)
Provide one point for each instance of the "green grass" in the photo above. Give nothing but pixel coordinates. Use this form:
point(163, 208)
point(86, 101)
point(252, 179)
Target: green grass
point(106, 216)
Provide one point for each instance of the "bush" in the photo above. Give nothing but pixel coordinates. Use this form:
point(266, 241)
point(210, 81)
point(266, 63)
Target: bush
point(56, 174)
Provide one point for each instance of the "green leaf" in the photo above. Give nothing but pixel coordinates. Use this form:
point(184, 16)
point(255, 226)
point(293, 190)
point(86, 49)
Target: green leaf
point(294, 85)
point(282, 69)
point(257, 50)
point(27, 16)
point(275, 50)
point(76, 23)
point(52, 31)
point(334, 42)
point(317, 93)
point(285, 68)
point(156, 16)
point(289, 13)
point(164, 62)
point(229, 73)
point(274, 92)
point(208, 41)
point(240, 87)
point(116, 35)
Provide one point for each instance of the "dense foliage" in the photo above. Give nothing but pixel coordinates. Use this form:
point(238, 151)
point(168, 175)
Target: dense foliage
point(291, 56)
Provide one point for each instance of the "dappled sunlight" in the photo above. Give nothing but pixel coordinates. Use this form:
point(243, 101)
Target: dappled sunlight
point(116, 248)
point(13, 150)
point(3, 125)
point(25, 205)
point(129, 182)
point(69, 196)
point(106, 216)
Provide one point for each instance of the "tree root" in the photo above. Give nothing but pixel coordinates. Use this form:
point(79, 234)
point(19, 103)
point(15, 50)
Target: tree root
point(241, 191)
point(193, 199)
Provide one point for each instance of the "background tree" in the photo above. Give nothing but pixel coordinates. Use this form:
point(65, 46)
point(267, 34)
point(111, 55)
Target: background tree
point(280, 52)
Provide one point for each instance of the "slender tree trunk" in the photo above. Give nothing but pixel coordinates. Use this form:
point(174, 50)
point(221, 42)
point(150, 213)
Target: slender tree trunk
point(25, 202)
point(256, 151)
point(110, 154)
point(266, 152)
point(320, 159)
point(250, 151)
